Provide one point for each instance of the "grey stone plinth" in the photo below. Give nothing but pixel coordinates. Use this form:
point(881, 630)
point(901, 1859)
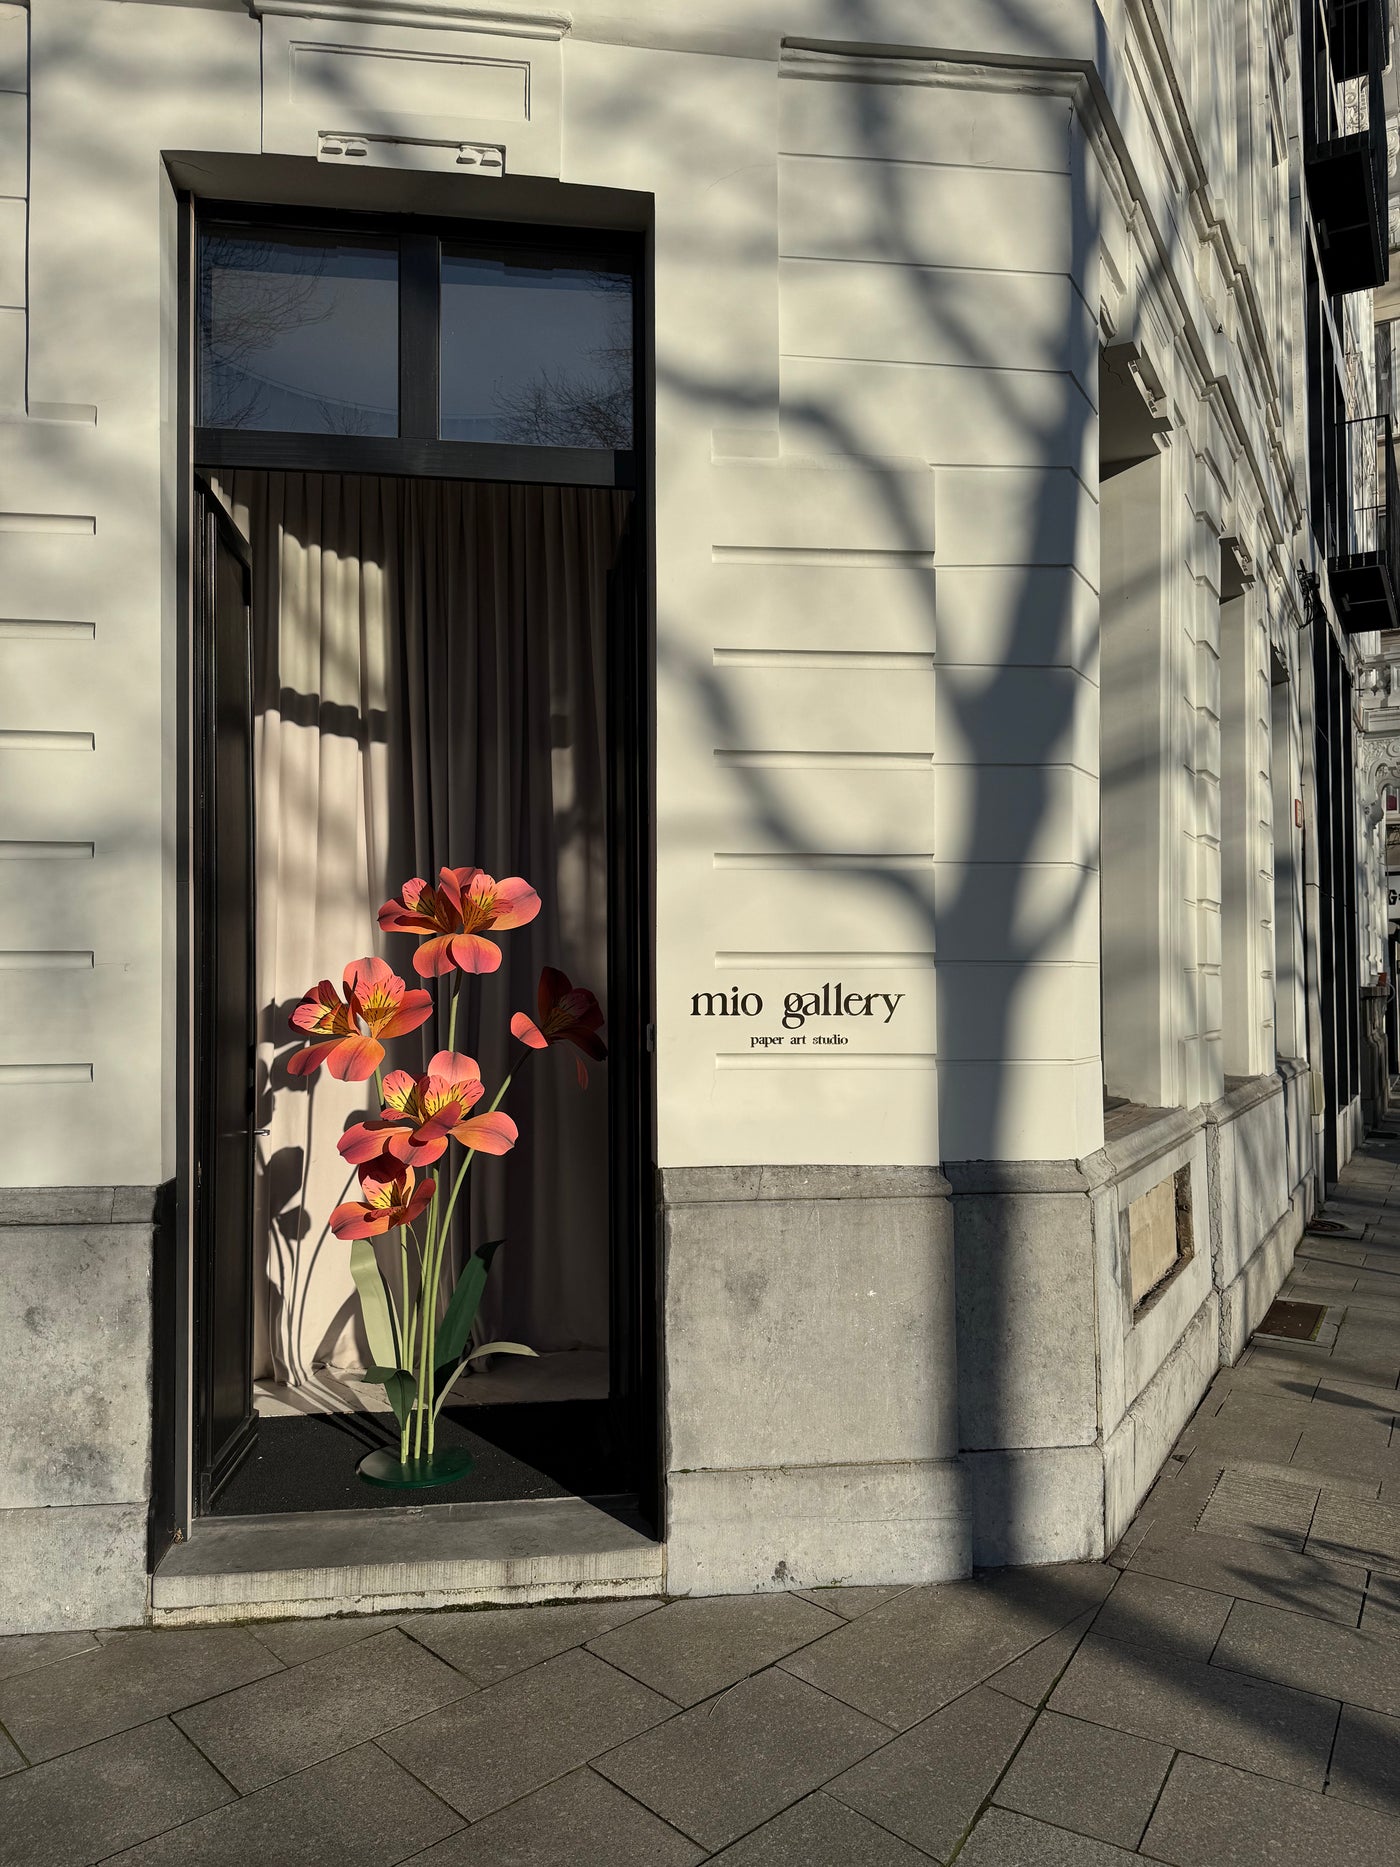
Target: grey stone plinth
point(1026, 1340)
point(75, 1335)
point(736, 1531)
point(75, 1567)
point(811, 1393)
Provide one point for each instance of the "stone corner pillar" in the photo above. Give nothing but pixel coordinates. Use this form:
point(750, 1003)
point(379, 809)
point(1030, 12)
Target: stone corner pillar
point(810, 1403)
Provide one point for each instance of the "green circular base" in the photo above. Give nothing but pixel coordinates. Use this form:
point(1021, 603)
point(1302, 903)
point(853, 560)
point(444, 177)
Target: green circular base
point(443, 1467)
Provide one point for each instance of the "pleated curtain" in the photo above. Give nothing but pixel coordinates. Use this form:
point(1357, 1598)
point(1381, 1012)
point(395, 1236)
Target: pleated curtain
point(429, 689)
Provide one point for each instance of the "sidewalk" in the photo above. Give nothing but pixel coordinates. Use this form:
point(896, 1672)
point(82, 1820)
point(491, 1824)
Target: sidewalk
point(1224, 1692)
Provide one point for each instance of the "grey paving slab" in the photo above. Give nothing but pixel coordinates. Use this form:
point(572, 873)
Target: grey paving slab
point(489, 1644)
point(26, 1653)
point(295, 1718)
point(1005, 1839)
point(293, 1642)
point(1255, 1426)
point(905, 1660)
point(694, 1648)
point(728, 1764)
point(1355, 1664)
point(482, 1752)
point(1260, 1509)
point(1355, 1530)
point(1031, 1678)
point(1339, 1393)
point(1256, 1572)
point(579, 1821)
point(126, 1681)
point(1347, 1448)
point(1149, 1611)
point(10, 1759)
point(928, 1784)
point(849, 1603)
point(355, 1810)
point(1085, 1777)
point(1381, 1613)
point(1219, 1714)
point(820, 1833)
point(1366, 1760)
point(1212, 1816)
point(85, 1806)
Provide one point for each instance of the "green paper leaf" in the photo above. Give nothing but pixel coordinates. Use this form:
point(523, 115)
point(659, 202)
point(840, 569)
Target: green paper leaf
point(454, 1331)
point(500, 1348)
point(399, 1385)
point(374, 1305)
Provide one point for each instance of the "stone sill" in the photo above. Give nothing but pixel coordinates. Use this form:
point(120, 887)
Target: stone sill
point(392, 1561)
point(705, 1186)
point(78, 1205)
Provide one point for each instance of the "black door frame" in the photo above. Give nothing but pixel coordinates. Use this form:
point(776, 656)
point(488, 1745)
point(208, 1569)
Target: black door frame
point(634, 1409)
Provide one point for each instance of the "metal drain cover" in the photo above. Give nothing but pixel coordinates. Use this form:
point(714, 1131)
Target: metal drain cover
point(1328, 1225)
point(1300, 1322)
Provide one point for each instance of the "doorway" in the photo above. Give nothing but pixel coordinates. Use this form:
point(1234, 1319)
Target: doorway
point(416, 445)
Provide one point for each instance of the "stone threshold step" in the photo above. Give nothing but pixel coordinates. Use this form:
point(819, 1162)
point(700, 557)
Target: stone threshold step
point(311, 1563)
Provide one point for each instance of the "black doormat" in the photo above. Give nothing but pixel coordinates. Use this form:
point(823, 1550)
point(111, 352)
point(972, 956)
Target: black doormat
point(308, 1463)
point(1300, 1322)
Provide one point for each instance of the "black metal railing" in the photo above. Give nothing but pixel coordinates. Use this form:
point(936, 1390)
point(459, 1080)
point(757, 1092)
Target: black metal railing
point(1344, 52)
point(1363, 557)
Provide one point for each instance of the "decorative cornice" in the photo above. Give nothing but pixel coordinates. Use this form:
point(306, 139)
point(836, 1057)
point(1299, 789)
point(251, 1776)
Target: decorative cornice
point(444, 15)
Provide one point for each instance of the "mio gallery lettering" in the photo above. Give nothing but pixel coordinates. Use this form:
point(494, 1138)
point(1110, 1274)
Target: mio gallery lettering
point(832, 1001)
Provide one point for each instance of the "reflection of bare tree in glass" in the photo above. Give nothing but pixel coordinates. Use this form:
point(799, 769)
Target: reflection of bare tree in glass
point(256, 303)
point(570, 408)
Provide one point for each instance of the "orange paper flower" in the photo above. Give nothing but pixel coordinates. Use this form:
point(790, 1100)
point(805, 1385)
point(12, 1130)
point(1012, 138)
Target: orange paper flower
point(452, 918)
point(390, 1199)
point(375, 1006)
point(421, 1113)
point(567, 1014)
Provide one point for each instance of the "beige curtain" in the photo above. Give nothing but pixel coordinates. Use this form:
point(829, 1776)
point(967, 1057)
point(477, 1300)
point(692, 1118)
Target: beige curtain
point(428, 689)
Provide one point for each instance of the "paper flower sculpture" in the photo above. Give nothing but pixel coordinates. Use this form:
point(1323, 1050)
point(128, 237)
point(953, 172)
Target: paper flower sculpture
point(391, 1198)
point(453, 918)
point(375, 1006)
point(565, 1014)
point(422, 1113)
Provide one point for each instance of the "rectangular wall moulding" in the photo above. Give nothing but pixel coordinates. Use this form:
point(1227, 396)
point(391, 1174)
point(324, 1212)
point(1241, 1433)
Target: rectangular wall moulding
point(17, 629)
point(832, 557)
point(826, 761)
point(793, 962)
point(847, 661)
point(50, 524)
point(796, 859)
point(23, 1075)
point(824, 1060)
point(19, 960)
point(13, 740)
point(46, 852)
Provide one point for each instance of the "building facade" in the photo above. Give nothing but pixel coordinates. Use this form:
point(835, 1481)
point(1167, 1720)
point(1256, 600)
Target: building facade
point(877, 508)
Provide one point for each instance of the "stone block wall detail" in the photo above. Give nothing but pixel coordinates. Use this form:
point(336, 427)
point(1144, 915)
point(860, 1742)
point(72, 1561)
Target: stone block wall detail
point(75, 1432)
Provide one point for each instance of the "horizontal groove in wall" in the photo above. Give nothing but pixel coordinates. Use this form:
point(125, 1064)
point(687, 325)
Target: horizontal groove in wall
point(815, 860)
point(45, 852)
point(18, 629)
point(52, 523)
point(14, 740)
point(18, 1075)
point(20, 960)
point(848, 660)
point(829, 557)
point(825, 761)
point(772, 962)
point(825, 1060)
